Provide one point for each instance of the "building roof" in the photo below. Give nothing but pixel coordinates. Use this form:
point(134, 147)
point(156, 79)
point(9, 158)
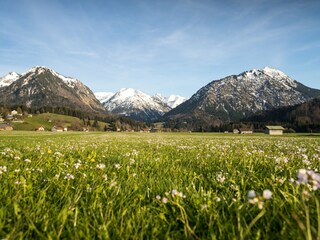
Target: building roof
point(245, 129)
point(58, 127)
point(4, 125)
point(275, 127)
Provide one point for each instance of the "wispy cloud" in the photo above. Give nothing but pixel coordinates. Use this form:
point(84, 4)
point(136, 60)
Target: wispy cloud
point(83, 53)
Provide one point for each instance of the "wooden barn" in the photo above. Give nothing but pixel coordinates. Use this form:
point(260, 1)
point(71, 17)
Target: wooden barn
point(273, 130)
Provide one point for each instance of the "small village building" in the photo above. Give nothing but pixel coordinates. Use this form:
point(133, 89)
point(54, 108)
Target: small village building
point(40, 129)
point(1, 119)
point(245, 131)
point(57, 129)
point(14, 112)
point(85, 129)
point(236, 131)
point(5, 127)
point(154, 130)
point(273, 130)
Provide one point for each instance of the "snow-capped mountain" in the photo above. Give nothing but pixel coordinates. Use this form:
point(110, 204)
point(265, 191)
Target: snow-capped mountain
point(8, 79)
point(239, 96)
point(42, 87)
point(136, 105)
point(172, 101)
point(103, 96)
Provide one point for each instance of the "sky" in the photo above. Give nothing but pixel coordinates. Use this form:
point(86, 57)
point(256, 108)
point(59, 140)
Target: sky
point(160, 46)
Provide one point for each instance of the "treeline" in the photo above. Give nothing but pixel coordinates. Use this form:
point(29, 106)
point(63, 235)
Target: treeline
point(303, 117)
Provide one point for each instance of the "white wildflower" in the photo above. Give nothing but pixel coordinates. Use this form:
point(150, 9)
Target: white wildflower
point(267, 194)
point(113, 184)
point(220, 178)
point(3, 169)
point(164, 200)
point(101, 166)
point(69, 176)
point(251, 194)
point(77, 165)
point(204, 206)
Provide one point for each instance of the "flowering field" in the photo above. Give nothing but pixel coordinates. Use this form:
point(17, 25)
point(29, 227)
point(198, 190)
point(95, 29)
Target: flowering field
point(158, 186)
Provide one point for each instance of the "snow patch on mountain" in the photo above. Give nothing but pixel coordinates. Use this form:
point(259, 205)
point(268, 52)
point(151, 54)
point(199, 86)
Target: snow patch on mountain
point(9, 79)
point(128, 98)
point(136, 104)
point(172, 101)
point(103, 96)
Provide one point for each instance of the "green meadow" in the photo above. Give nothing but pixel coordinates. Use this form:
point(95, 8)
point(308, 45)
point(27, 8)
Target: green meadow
point(158, 186)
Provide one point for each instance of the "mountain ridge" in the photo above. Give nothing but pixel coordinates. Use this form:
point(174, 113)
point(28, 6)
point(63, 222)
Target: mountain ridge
point(238, 96)
point(43, 87)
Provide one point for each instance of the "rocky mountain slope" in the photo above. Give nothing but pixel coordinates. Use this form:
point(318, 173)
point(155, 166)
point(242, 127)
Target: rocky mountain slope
point(136, 105)
point(239, 96)
point(43, 87)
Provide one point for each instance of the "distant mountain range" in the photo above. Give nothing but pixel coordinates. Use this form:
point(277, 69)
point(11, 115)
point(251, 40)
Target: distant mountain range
point(42, 87)
point(239, 96)
point(221, 101)
point(138, 105)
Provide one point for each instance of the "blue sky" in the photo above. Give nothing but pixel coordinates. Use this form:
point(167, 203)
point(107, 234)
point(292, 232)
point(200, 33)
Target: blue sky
point(165, 46)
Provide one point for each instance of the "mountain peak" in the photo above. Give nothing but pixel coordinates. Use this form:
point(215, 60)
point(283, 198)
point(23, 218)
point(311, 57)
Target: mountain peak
point(8, 79)
point(129, 92)
point(42, 87)
point(71, 82)
point(274, 72)
point(135, 104)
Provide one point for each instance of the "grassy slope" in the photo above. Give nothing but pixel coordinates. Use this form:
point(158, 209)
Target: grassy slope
point(31, 123)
